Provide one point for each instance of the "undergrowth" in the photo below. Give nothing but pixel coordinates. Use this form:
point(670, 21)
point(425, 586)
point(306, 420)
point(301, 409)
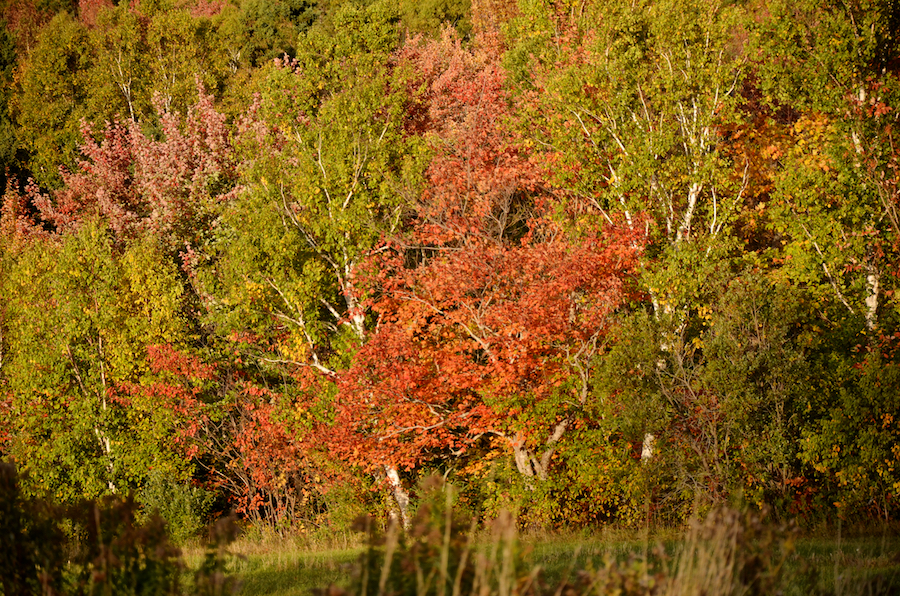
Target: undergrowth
point(729, 553)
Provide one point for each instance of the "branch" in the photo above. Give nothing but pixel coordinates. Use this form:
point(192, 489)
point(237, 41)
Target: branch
point(831, 279)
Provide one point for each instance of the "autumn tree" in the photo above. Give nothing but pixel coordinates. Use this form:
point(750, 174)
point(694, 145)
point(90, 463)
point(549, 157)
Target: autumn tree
point(488, 316)
point(168, 187)
point(108, 66)
point(79, 315)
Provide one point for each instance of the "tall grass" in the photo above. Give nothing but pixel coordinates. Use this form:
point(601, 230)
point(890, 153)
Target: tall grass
point(729, 553)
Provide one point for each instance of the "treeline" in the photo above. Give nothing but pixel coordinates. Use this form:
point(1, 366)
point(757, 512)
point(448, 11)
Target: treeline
point(292, 256)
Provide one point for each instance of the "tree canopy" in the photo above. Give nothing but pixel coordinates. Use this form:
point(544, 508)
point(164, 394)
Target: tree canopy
point(581, 258)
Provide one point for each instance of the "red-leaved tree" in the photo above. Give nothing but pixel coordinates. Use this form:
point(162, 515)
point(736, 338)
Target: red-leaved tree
point(489, 315)
point(168, 187)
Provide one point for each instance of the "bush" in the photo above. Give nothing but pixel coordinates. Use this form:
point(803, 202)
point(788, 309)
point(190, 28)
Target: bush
point(184, 508)
point(94, 547)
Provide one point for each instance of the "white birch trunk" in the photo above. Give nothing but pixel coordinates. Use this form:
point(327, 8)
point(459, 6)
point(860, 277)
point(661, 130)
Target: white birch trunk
point(401, 496)
point(873, 290)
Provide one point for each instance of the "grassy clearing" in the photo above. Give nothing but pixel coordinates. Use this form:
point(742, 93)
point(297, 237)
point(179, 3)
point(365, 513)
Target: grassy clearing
point(287, 566)
point(858, 565)
point(686, 564)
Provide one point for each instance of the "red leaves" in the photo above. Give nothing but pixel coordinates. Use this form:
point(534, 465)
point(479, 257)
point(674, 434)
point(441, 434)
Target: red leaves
point(480, 168)
point(167, 187)
point(165, 359)
point(469, 332)
point(496, 308)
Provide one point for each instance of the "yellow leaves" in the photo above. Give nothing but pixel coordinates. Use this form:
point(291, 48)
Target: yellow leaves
point(773, 152)
point(811, 134)
point(704, 313)
point(294, 348)
point(254, 289)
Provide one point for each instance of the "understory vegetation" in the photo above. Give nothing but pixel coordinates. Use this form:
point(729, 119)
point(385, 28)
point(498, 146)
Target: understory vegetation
point(101, 548)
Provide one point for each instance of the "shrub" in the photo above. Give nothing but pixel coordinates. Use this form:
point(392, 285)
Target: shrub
point(96, 547)
point(185, 508)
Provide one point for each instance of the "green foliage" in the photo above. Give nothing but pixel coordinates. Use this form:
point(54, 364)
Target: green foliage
point(855, 440)
point(95, 547)
point(815, 53)
point(254, 32)
point(8, 142)
point(312, 209)
point(116, 69)
point(54, 97)
point(81, 315)
point(184, 508)
point(717, 397)
point(184, 52)
point(629, 106)
point(429, 16)
point(118, 74)
point(596, 479)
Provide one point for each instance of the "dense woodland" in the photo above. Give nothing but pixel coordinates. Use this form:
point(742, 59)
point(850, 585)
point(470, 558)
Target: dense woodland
point(291, 257)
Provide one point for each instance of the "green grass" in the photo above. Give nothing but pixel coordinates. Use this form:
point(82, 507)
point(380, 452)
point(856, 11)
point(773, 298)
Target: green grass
point(292, 566)
point(857, 566)
point(854, 566)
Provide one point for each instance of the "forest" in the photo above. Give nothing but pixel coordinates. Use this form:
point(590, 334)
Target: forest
point(595, 262)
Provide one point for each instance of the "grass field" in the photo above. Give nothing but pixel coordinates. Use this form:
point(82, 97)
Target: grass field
point(613, 561)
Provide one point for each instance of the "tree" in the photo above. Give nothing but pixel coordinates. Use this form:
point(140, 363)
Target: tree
point(632, 105)
point(255, 32)
point(103, 251)
point(8, 141)
point(183, 56)
point(834, 209)
point(169, 187)
point(486, 339)
point(488, 317)
point(118, 75)
point(80, 316)
point(109, 69)
point(315, 206)
point(835, 201)
point(325, 153)
point(53, 97)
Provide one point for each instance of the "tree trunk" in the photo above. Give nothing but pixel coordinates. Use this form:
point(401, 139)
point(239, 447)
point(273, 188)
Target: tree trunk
point(873, 289)
point(401, 496)
point(647, 447)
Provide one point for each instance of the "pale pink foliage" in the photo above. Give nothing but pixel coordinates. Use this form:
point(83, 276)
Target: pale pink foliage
point(89, 10)
point(167, 187)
